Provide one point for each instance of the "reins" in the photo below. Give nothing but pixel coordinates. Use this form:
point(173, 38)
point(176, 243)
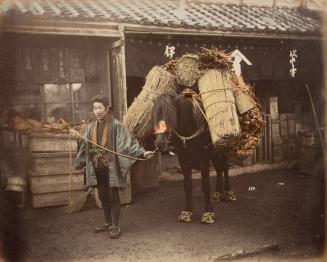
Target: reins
point(200, 130)
point(111, 151)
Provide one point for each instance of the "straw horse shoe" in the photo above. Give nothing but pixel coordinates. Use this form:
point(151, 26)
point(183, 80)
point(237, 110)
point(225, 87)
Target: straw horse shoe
point(179, 119)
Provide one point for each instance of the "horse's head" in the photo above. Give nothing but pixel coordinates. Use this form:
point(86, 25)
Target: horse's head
point(164, 120)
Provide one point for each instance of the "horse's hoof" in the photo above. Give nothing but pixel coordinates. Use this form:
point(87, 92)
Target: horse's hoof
point(185, 216)
point(217, 197)
point(208, 218)
point(230, 196)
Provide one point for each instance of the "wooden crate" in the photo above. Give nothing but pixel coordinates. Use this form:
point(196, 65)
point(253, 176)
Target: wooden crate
point(277, 153)
point(283, 125)
point(52, 188)
point(292, 149)
point(145, 174)
point(273, 107)
point(54, 199)
point(291, 125)
point(46, 142)
point(275, 131)
point(47, 162)
point(309, 162)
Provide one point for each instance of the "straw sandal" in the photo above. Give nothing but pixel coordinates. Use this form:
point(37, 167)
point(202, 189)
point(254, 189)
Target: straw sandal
point(103, 228)
point(208, 218)
point(115, 232)
point(217, 197)
point(230, 196)
point(185, 216)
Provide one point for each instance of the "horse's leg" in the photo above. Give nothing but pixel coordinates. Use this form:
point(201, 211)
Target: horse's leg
point(229, 194)
point(208, 216)
point(188, 187)
point(205, 180)
point(186, 214)
point(219, 190)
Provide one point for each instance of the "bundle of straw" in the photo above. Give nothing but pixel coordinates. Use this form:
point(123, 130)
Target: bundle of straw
point(218, 100)
point(187, 70)
point(138, 116)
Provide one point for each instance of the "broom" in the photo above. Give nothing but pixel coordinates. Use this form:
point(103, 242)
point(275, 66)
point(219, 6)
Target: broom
point(77, 204)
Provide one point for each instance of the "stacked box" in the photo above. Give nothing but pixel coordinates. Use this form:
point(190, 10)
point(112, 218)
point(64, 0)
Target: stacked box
point(52, 188)
point(277, 152)
point(273, 107)
point(51, 170)
point(291, 125)
point(53, 180)
point(283, 125)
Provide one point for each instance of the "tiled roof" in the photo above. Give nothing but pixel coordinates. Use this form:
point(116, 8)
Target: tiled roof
point(192, 15)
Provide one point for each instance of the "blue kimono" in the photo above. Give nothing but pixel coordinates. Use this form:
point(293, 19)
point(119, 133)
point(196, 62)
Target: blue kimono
point(120, 141)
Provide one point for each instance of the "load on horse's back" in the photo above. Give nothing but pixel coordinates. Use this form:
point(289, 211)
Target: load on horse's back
point(217, 111)
point(178, 118)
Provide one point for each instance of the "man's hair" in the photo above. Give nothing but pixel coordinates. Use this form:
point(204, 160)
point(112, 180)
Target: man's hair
point(100, 99)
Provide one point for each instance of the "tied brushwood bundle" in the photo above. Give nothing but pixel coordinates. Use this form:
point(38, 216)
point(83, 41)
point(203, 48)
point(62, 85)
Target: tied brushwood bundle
point(138, 116)
point(213, 59)
point(251, 121)
point(187, 70)
point(219, 104)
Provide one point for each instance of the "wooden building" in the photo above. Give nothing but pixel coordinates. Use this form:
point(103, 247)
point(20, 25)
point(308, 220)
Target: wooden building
point(55, 55)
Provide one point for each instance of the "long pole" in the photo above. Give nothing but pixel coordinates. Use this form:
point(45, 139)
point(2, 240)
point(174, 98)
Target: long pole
point(316, 120)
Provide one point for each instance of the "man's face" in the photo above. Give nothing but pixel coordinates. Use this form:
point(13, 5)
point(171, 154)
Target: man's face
point(99, 110)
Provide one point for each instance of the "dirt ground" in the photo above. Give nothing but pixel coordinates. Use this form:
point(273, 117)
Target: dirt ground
point(283, 208)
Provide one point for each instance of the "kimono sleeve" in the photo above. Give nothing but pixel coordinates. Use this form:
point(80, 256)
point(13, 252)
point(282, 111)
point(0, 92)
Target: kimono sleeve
point(126, 143)
point(80, 160)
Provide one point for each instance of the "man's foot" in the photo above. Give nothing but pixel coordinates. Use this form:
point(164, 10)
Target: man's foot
point(103, 228)
point(115, 232)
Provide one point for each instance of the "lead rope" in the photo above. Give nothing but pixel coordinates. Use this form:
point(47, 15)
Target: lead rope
point(113, 152)
point(70, 171)
point(71, 161)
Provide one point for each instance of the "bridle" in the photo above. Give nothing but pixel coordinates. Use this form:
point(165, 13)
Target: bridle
point(162, 127)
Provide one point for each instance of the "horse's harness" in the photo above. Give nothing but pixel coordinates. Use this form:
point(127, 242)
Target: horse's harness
point(189, 93)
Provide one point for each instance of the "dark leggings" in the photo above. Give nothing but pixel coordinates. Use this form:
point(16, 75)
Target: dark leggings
point(109, 197)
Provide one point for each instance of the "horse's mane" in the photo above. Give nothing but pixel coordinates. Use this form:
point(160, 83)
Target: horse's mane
point(196, 113)
point(165, 109)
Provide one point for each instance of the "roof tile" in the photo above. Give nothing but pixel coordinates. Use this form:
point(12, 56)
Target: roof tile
point(209, 15)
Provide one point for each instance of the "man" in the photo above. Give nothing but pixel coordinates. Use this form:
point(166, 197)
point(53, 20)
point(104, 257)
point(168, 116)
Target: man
point(106, 170)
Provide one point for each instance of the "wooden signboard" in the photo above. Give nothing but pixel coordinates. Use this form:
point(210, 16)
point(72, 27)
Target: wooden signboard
point(59, 64)
point(91, 66)
point(27, 66)
point(45, 67)
point(76, 65)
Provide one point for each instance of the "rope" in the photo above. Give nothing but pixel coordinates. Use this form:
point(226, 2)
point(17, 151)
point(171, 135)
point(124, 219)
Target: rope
point(113, 152)
point(70, 171)
point(197, 133)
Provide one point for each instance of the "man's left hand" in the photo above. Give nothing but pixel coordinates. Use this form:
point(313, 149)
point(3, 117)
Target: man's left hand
point(148, 154)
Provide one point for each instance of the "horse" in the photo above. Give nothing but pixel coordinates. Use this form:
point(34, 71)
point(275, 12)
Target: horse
point(179, 119)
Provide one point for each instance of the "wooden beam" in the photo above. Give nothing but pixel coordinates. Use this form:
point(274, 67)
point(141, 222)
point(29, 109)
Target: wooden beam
point(117, 43)
point(61, 31)
point(161, 30)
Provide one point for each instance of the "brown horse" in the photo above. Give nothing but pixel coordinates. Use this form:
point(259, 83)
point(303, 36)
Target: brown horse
point(178, 118)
